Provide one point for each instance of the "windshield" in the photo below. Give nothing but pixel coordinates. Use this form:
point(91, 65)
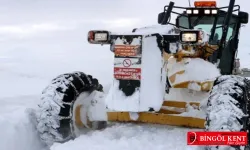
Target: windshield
point(218, 31)
point(206, 23)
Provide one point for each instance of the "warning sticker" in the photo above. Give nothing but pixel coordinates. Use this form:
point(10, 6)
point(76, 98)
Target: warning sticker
point(127, 73)
point(127, 50)
point(127, 62)
point(128, 53)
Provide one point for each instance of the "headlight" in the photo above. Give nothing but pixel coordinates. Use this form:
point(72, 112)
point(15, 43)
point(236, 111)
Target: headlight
point(196, 11)
point(189, 11)
point(189, 36)
point(214, 11)
point(207, 11)
point(99, 37)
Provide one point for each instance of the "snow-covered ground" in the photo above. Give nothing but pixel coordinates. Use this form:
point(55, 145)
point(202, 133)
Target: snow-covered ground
point(131, 137)
point(24, 75)
point(23, 79)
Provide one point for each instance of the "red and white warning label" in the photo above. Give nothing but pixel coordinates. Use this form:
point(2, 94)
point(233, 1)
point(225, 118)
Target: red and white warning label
point(127, 73)
point(127, 63)
point(127, 50)
point(127, 68)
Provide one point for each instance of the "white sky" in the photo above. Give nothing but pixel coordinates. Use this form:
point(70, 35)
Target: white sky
point(63, 24)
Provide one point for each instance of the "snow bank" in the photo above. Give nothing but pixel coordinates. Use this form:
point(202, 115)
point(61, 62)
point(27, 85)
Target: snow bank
point(18, 132)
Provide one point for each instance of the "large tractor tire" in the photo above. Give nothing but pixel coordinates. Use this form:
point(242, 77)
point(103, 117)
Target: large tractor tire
point(56, 114)
point(228, 107)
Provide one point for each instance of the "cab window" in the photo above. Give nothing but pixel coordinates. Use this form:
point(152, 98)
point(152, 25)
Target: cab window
point(206, 23)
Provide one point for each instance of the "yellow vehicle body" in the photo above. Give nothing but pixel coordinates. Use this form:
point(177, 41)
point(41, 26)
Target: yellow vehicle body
point(175, 108)
point(164, 116)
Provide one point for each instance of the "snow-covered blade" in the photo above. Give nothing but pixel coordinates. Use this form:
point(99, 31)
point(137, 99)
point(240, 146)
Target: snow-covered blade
point(192, 71)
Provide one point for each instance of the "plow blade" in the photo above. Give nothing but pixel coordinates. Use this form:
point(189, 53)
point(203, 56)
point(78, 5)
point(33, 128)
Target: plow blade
point(180, 104)
point(165, 116)
point(158, 118)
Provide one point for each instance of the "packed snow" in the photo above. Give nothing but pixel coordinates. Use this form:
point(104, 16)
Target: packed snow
point(130, 136)
point(123, 103)
point(153, 75)
point(194, 70)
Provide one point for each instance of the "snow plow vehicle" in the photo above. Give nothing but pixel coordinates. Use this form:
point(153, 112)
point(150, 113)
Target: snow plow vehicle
point(180, 74)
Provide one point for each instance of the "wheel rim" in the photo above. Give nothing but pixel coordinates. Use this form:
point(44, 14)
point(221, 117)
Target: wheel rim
point(77, 114)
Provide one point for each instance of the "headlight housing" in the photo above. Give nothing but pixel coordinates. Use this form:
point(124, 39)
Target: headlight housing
point(99, 37)
point(190, 36)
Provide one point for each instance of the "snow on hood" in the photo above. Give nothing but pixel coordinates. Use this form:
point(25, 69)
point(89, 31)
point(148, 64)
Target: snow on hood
point(162, 29)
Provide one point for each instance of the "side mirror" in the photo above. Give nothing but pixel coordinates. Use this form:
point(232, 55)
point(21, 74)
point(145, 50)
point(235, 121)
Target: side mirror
point(177, 22)
point(99, 37)
point(160, 17)
point(134, 29)
point(243, 16)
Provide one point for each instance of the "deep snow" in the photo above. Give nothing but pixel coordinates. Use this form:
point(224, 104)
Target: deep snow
point(17, 130)
point(22, 81)
point(23, 76)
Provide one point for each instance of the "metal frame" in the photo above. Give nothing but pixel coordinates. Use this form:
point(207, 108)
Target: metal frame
point(229, 13)
point(171, 7)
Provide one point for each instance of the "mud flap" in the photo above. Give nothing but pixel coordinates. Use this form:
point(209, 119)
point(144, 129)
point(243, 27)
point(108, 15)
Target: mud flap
point(139, 77)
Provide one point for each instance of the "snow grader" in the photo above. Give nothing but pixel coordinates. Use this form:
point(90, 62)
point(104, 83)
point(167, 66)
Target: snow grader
point(182, 74)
